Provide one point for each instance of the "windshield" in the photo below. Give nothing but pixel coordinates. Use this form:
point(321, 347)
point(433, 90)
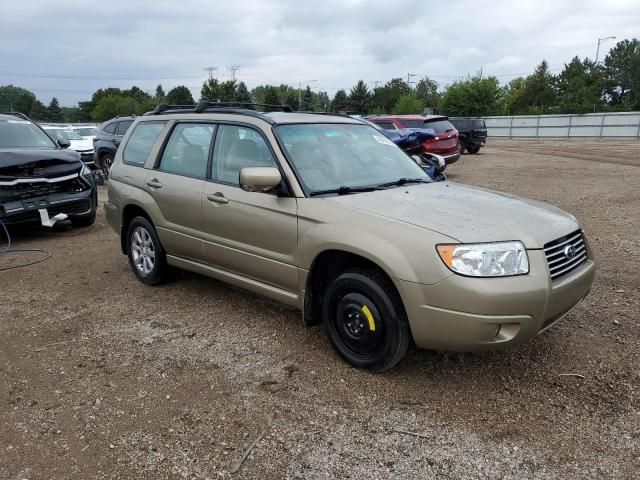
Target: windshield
point(331, 156)
point(61, 134)
point(86, 131)
point(23, 134)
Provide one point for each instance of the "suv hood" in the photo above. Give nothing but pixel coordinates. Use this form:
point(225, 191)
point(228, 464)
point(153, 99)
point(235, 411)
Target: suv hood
point(38, 163)
point(467, 214)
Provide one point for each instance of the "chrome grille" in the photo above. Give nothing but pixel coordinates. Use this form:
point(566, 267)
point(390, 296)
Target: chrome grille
point(565, 254)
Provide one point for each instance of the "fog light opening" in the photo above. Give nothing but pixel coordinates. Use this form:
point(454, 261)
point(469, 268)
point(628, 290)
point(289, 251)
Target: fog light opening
point(498, 328)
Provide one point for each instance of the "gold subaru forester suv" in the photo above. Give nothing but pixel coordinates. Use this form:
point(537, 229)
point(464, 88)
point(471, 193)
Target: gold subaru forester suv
point(324, 213)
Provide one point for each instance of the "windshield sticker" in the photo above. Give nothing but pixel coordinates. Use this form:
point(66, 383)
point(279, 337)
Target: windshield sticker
point(383, 140)
point(19, 121)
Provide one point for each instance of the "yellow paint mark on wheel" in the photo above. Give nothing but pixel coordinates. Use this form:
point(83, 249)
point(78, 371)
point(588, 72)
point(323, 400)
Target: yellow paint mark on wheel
point(367, 313)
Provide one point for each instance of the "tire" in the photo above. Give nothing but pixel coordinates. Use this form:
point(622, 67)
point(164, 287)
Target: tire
point(365, 320)
point(474, 148)
point(462, 148)
point(146, 255)
point(106, 160)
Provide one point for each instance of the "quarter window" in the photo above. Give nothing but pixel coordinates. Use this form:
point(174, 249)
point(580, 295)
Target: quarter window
point(237, 148)
point(187, 151)
point(141, 142)
point(123, 127)
point(110, 129)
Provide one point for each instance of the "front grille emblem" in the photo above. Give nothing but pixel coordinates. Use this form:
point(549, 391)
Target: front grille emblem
point(569, 251)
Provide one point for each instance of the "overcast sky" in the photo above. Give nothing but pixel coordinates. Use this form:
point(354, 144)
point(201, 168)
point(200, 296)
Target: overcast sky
point(335, 42)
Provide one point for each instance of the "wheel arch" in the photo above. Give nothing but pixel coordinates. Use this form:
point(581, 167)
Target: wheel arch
point(325, 266)
point(129, 212)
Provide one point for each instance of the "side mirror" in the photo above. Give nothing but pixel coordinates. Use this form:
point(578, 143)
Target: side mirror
point(64, 143)
point(435, 160)
point(259, 179)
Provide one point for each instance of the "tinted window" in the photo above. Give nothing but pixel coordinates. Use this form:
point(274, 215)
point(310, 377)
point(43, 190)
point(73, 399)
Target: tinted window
point(141, 142)
point(23, 134)
point(478, 124)
point(237, 148)
point(123, 127)
point(460, 124)
point(111, 128)
point(386, 125)
point(437, 125)
point(187, 151)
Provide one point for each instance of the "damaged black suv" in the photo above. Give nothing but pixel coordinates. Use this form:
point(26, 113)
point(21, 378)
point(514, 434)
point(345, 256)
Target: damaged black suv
point(40, 180)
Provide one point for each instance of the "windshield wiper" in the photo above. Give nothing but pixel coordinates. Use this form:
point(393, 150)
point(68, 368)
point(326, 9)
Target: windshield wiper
point(403, 181)
point(344, 190)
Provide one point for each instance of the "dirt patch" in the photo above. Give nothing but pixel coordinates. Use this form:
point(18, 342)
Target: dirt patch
point(103, 377)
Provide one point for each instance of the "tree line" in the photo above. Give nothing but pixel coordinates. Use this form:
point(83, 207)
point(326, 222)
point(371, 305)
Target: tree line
point(581, 86)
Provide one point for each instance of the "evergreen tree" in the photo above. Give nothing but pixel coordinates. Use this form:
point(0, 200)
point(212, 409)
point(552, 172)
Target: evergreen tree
point(307, 100)
point(54, 112)
point(340, 102)
point(160, 92)
point(291, 99)
point(210, 90)
point(271, 97)
point(242, 93)
point(39, 112)
point(385, 98)
point(622, 66)
point(580, 87)
point(359, 98)
point(227, 91)
point(538, 95)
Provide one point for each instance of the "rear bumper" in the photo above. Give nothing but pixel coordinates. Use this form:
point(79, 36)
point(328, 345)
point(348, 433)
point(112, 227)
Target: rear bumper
point(473, 314)
point(26, 211)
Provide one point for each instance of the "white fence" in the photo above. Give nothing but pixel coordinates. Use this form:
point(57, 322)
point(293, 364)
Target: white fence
point(594, 125)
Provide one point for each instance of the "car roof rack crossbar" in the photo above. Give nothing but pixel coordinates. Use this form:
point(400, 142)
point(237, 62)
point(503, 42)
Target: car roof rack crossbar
point(16, 114)
point(164, 107)
point(204, 105)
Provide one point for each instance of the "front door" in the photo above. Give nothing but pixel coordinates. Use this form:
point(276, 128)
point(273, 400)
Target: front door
point(252, 234)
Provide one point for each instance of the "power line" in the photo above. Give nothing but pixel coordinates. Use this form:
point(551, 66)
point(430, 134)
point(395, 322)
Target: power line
point(233, 69)
point(75, 77)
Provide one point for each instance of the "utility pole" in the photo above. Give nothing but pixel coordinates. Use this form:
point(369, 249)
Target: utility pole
point(409, 75)
point(233, 69)
point(600, 41)
point(211, 71)
point(376, 83)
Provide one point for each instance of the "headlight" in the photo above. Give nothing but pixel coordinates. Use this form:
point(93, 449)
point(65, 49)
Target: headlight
point(500, 259)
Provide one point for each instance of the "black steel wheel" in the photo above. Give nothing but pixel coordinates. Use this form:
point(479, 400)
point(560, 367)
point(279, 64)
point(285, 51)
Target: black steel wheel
point(474, 148)
point(365, 320)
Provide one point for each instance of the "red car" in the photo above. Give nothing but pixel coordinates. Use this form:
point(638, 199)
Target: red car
point(446, 143)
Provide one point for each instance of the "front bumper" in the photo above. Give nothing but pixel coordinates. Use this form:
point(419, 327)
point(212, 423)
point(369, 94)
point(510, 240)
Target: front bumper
point(473, 314)
point(26, 211)
point(87, 158)
point(449, 159)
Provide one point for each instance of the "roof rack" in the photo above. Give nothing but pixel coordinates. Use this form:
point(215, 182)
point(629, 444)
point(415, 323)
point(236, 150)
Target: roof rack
point(126, 115)
point(16, 114)
point(203, 105)
point(164, 107)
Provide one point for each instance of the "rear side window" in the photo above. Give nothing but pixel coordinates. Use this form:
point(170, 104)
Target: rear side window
point(187, 152)
point(123, 127)
point(478, 124)
point(111, 128)
point(141, 142)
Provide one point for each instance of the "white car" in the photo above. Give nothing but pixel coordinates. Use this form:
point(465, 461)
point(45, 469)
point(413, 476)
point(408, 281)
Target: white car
point(81, 145)
point(88, 132)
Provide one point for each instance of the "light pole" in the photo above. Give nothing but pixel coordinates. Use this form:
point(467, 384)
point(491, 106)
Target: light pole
point(300, 90)
point(600, 41)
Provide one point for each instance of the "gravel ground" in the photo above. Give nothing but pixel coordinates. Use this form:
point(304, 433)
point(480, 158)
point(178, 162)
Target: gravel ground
point(103, 377)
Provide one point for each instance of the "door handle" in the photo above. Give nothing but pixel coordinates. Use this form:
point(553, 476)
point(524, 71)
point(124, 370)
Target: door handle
point(154, 183)
point(217, 198)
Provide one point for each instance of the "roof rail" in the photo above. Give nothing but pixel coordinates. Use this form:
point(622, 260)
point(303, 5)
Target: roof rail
point(126, 115)
point(17, 114)
point(164, 107)
point(203, 105)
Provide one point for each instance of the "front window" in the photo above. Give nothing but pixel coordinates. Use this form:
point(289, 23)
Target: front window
point(23, 134)
point(61, 134)
point(343, 156)
point(87, 131)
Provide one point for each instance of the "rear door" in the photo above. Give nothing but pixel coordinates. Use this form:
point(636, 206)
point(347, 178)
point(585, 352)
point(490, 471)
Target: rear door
point(176, 185)
point(252, 234)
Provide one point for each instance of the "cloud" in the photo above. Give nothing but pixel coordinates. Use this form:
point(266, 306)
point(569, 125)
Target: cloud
point(335, 42)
